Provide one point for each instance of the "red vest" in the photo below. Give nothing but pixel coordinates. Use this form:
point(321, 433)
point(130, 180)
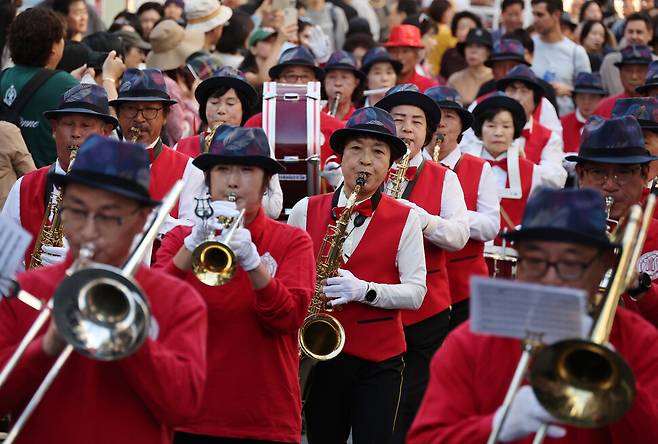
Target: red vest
point(426, 193)
point(371, 333)
point(190, 146)
point(32, 202)
point(166, 169)
point(534, 145)
point(514, 207)
point(469, 260)
point(571, 128)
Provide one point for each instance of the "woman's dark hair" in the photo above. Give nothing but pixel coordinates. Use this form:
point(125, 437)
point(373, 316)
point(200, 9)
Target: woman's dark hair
point(124, 18)
point(359, 40)
point(461, 15)
point(151, 5)
point(490, 114)
point(302, 24)
point(587, 27)
point(62, 6)
point(437, 9)
point(30, 44)
point(587, 4)
point(423, 22)
point(247, 108)
point(234, 37)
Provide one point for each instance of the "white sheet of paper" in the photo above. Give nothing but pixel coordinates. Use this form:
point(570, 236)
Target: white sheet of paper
point(514, 309)
point(14, 240)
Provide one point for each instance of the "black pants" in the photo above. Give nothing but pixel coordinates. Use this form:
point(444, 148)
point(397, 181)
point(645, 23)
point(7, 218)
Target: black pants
point(459, 313)
point(189, 438)
point(351, 393)
point(423, 339)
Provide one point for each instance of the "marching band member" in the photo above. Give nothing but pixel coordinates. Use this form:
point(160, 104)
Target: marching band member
point(587, 94)
point(613, 159)
point(297, 66)
point(106, 203)
point(434, 192)
point(477, 181)
point(142, 108)
point(227, 99)
point(252, 393)
point(83, 110)
point(497, 121)
point(537, 143)
point(562, 242)
point(645, 111)
point(342, 79)
point(383, 271)
point(381, 72)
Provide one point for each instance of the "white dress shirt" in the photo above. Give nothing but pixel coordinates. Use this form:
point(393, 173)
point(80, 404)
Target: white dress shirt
point(410, 257)
point(484, 222)
point(549, 169)
point(501, 175)
point(449, 230)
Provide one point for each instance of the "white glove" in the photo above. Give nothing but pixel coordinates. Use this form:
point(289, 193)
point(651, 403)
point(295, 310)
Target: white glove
point(202, 231)
point(333, 174)
point(319, 44)
point(244, 249)
point(345, 288)
point(53, 255)
point(423, 215)
point(525, 417)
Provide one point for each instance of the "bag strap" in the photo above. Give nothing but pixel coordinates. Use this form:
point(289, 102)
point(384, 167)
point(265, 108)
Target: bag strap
point(30, 88)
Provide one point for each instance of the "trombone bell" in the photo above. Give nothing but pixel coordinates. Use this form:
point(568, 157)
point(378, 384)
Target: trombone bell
point(583, 383)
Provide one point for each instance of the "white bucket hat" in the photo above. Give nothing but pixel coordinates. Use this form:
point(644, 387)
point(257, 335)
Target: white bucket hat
point(206, 15)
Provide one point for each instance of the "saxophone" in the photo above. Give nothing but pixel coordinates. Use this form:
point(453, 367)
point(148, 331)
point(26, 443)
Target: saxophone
point(207, 140)
point(52, 233)
point(334, 105)
point(437, 147)
point(134, 133)
point(322, 337)
point(394, 186)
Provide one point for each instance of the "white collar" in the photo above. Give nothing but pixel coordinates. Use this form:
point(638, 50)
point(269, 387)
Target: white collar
point(451, 159)
point(488, 156)
point(58, 168)
point(579, 116)
point(417, 159)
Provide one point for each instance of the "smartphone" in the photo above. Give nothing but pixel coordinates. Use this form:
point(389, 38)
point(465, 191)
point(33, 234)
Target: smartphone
point(289, 10)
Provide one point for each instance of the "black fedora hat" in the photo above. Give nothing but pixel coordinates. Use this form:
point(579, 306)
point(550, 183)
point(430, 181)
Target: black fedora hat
point(234, 145)
point(521, 73)
point(143, 85)
point(118, 167)
point(644, 109)
point(564, 215)
point(448, 98)
point(476, 35)
point(499, 100)
point(651, 80)
point(296, 56)
point(617, 140)
point(369, 121)
point(231, 78)
point(409, 94)
point(345, 61)
point(86, 98)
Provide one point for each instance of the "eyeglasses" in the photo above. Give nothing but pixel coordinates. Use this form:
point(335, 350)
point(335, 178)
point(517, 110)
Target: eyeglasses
point(131, 112)
point(534, 267)
point(621, 176)
point(294, 78)
point(78, 217)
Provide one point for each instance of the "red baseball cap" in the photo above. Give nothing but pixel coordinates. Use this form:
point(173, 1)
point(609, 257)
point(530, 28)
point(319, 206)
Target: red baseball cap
point(405, 35)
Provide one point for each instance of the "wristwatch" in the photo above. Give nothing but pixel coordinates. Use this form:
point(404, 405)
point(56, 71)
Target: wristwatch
point(371, 294)
point(644, 284)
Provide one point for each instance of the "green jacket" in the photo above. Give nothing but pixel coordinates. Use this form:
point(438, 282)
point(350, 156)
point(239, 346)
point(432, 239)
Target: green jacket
point(35, 128)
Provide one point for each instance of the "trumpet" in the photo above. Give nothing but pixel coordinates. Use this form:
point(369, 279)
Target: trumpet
point(133, 133)
point(99, 310)
point(394, 186)
point(334, 105)
point(52, 232)
point(213, 261)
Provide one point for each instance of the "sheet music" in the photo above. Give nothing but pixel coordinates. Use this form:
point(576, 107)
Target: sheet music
point(514, 309)
point(14, 240)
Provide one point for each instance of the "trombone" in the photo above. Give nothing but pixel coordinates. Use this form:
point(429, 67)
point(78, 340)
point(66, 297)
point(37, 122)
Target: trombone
point(213, 261)
point(100, 311)
point(581, 381)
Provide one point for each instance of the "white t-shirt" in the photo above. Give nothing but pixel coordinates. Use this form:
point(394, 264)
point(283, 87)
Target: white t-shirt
point(560, 62)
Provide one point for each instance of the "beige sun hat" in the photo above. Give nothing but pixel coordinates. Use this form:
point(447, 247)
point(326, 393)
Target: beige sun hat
point(171, 45)
point(206, 15)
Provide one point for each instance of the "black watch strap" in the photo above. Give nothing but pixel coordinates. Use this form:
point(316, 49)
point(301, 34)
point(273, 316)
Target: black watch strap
point(371, 295)
point(644, 281)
